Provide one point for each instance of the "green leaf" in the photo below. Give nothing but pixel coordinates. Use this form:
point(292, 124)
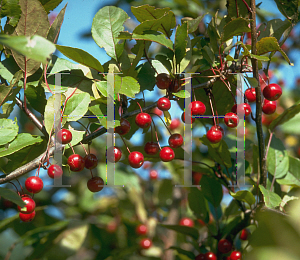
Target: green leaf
point(274, 28)
point(36, 97)
point(187, 58)
point(102, 87)
point(193, 24)
point(289, 179)
point(50, 5)
point(285, 116)
point(271, 199)
point(22, 140)
point(182, 94)
point(77, 106)
point(237, 8)
point(235, 27)
point(12, 196)
point(294, 166)
point(36, 48)
point(252, 81)
point(146, 76)
point(261, 58)
point(77, 136)
point(208, 54)
point(244, 195)
point(270, 44)
point(218, 152)
point(212, 190)
point(127, 86)
point(289, 8)
point(197, 203)
point(277, 159)
point(106, 27)
point(147, 12)
point(55, 27)
point(180, 42)
point(189, 231)
point(187, 253)
point(8, 130)
point(97, 111)
point(81, 57)
point(271, 252)
point(11, 9)
point(51, 110)
point(164, 192)
point(286, 199)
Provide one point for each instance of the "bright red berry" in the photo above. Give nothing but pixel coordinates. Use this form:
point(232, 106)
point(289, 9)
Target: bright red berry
point(231, 120)
point(245, 106)
point(166, 154)
point(27, 217)
point(151, 148)
point(224, 246)
point(95, 184)
point(175, 140)
point(145, 243)
point(90, 161)
point(214, 135)
point(236, 255)
point(141, 229)
point(269, 107)
point(143, 120)
point(244, 234)
point(164, 104)
point(186, 222)
point(250, 94)
point(163, 81)
point(34, 184)
point(183, 118)
point(113, 154)
point(136, 159)
point(210, 256)
point(200, 257)
point(153, 174)
point(64, 136)
point(175, 123)
point(30, 205)
point(197, 108)
point(123, 128)
point(54, 171)
point(76, 163)
point(272, 92)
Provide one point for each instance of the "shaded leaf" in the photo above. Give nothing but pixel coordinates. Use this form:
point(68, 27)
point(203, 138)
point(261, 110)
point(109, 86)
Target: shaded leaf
point(235, 27)
point(289, 8)
point(244, 195)
point(212, 190)
point(55, 27)
point(147, 12)
point(274, 28)
point(237, 8)
point(50, 5)
point(193, 24)
point(197, 203)
point(189, 231)
point(12, 196)
point(36, 97)
point(11, 9)
point(271, 199)
point(189, 254)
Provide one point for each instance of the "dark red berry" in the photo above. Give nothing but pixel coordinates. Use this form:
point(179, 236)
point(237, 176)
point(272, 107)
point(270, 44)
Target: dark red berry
point(175, 140)
point(151, 148)
point(163, 81)
point(200, 257)
point(244, 234)
point(30, 205)
point(224, 246)
point(164, 104)
point(95, 184)
point(175, 123)
point(231, 120)
point(210, 256)
point(90, 161)
point(54, 171)
point(143, 120)
point(145, 243)
point(113, 154)
point(269, 107)
point(141, 229)
point(124, 127)
point(214, 135)
point(76, 163)
point(197, 108)
point(136, 159)
point(186, 222)
point(166, 154)
point(153, 174)
point(250, 94)
point(183, 118)
point(245, 106)
point(34, 184)
point(27, 217)
point(64, 136)
point(236, 255)
point(272, 92)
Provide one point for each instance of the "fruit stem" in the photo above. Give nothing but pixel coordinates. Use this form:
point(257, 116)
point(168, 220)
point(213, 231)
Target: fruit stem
point(125, 144)
point(211, 106)
point(20, 186)
point(149, 60)
point(91, 173)
point(15, 187)
point(71, 147)
point(45, 77)
point(140, 106)
point(84, 148)
point(156, 135)
point(162, 121)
